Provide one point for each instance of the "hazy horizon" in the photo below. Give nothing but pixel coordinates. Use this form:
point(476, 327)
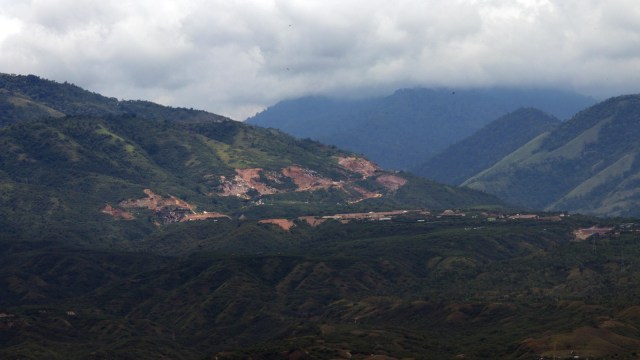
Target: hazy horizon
point(237, 58)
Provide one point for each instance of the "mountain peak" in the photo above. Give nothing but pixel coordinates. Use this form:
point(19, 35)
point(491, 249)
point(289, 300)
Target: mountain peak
point(488, 145)
point(586, 164)
point(68, 99)
point(410, 126)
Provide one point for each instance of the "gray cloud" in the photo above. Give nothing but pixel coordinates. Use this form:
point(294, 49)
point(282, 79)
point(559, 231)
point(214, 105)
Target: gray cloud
point(236, 57)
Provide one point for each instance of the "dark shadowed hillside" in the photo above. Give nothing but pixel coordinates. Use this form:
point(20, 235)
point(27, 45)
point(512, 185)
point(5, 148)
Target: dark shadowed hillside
point(511, 290)
point(403, 130)
point(487, 146)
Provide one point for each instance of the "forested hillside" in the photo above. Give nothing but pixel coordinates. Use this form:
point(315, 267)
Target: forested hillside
point(31, 97)
point(486, 146)
point(136, 231)
point(59, 169)
point(588, 164)
point(512, 289)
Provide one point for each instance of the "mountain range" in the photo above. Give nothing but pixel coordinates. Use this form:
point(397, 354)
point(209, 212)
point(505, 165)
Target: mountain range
point(526, 157)
point(485, 147)
point(587, 164)
point(130, 230)
point(405, 129)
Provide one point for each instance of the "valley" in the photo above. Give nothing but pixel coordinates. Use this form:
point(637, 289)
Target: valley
point(130, 230)
point(451, 285)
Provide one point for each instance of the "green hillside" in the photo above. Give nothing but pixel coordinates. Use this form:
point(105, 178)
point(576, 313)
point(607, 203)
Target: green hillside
point(438, 289)
point(166, 233)
point(119, 173)
point(586, 165)
point(487, 146)
point(31, 97)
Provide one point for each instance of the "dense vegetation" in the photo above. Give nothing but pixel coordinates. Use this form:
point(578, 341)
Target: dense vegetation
point(434, 289)
point(405, 129)
point(95, 265)
point(57, 169)
point(487, 146)
point(31, 97)
point(588, 164)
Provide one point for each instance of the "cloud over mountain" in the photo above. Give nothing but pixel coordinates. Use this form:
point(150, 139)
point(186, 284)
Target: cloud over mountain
point(237, 57)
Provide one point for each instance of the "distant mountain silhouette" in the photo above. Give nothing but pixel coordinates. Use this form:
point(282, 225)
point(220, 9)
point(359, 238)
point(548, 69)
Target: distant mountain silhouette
point(405, 129)
point(487, 146)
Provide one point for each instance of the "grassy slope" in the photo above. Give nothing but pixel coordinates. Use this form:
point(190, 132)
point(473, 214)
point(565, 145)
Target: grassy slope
point(581, 166)
point(488, 145)
point(60, 170)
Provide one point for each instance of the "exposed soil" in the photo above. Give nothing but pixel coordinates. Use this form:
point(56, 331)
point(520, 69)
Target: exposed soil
point(391, 182)
point(360, 166)
point(167, 209)
point(244, 182)
point(366, 194)
point(308, 180)
point(233, 187)
point(117, 213)
point(282, 223)
point(312, 220)
point(252, 178)
point(155, 202)
point(248, 183)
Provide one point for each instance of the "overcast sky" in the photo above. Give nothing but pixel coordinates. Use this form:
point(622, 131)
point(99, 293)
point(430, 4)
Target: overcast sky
point(235, 57)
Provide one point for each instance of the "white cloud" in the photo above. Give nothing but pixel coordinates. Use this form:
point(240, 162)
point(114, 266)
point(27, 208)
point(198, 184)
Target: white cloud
point(236, 57)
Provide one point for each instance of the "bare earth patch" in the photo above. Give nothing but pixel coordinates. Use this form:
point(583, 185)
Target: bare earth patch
point(366, 194)
point(360, 166)
point(233, 187)
point(155, 202)
point(312, 220)
point(282, 223)
point(391, 182)
point(308, 180)
point(245, 181)
point(252, 178)
point(167, 209)
point(117, 213)
point(248, 183)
